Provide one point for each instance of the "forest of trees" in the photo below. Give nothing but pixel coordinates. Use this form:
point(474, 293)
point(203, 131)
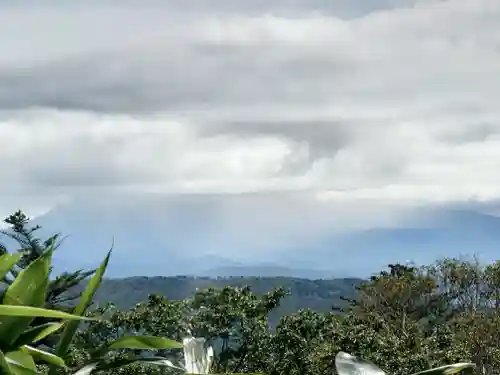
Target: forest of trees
point(318, 295)
point(405, 319)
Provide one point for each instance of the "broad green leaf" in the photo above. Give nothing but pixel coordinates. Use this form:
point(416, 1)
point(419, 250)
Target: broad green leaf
point(144, 342)
point(4, 365)
point(117, 363)
point(7, 261)
point(448, 369)
point(44, 356)
point(138, 342)
point(34, 334)
point(28, 289)
point(15, 363)
point(18, 369)
point(37, 312)
point(106, 366)
point(22, 358)
point(83, 304)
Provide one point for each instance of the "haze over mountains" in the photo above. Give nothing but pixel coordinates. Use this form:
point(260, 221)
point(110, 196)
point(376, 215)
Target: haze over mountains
point(160, 238)
point(307, 137)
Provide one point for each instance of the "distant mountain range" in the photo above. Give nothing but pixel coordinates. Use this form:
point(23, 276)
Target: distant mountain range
point(266, 270)
point(152, 239)
point(319, 295)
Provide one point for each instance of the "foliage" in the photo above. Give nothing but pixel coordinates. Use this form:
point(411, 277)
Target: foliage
point(61, 291)
point(405, 319)
point(400, 319)
point(24, 299)
point(318, 295)
point(21, 302)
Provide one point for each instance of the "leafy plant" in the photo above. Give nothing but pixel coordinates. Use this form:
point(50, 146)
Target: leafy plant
point(98, 357)
point(21, 302)
point(61, 291)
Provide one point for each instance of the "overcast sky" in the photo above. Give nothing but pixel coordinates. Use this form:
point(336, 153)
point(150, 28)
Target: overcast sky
point(381, 102)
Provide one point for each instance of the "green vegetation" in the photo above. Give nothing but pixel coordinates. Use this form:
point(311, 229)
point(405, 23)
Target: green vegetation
point(405, 319)
point(24, 299)
point(318, 295)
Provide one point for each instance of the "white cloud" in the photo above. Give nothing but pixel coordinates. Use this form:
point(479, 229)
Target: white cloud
point(397, 104)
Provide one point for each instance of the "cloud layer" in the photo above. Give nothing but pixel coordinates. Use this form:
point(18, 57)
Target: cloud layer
point(389, 104)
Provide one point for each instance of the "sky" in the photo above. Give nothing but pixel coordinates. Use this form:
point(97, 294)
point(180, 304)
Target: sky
point(299, 110)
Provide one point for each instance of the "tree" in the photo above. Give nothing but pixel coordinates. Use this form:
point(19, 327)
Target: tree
point(236, 321)
point(401, 295)
point(61, 290)
point(399, 319)
point(474, 291)
point(295, 342)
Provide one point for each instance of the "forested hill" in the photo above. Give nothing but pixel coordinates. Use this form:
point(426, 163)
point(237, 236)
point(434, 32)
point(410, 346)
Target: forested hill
point(319, 295)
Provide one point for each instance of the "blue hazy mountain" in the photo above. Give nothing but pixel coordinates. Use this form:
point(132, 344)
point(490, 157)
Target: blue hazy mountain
point(152, 238)
point(436, 233)
point(266, 270)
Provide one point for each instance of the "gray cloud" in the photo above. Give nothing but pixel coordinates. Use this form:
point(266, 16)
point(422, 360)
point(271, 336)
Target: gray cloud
point(473, 133)
point(154, 58)
point(381, 103)
point(173, 78)
point(259, 125)
point(323, 137)
point(339, 8)
point(342, 8)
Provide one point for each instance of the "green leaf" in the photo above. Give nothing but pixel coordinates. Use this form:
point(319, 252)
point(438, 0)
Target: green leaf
point(83, 304)
point(144, 342)
point(18, 369)
point(36, 312)
point(17, 363)
point(7, 261)
point(44, 356)
point(34, 334)
point(138, 342)
point(28, 289)
point(22, 358)
point(4, 365)
point(448, 369)
point(117, 363)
